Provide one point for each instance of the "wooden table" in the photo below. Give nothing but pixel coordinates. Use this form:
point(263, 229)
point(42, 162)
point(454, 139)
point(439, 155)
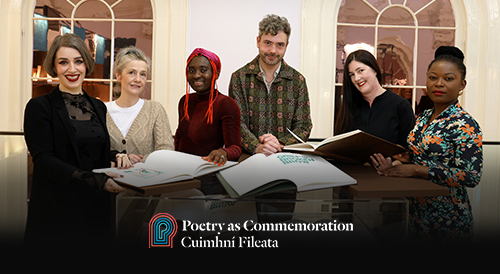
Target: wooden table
point(371, 185)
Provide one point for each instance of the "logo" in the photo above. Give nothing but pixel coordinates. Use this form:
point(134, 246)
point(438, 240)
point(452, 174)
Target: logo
point(162, 229)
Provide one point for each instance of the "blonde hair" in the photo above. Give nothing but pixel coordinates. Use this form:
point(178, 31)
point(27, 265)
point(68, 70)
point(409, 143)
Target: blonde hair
point(127, 54)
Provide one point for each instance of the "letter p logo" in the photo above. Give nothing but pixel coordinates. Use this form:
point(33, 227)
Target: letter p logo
point(162, 229)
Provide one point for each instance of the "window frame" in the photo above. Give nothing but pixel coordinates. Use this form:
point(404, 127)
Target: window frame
point(318, 57)
point(111, 80)
point(416, 28)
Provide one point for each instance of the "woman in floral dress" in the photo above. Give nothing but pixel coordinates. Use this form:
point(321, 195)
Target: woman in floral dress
point(445, 148)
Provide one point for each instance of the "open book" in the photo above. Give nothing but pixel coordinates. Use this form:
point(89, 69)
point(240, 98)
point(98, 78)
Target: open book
point(259, 174)
point(351, 147)
point(165, 166)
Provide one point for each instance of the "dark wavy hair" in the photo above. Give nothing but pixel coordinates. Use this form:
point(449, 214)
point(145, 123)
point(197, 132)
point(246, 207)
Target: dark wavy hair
point(351, 97)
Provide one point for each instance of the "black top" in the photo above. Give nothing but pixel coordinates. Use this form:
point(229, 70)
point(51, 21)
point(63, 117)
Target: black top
point(390, 117)
point(88, 129)
point(67, 138)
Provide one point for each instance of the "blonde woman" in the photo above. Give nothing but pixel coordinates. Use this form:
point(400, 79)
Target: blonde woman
point(137, 127)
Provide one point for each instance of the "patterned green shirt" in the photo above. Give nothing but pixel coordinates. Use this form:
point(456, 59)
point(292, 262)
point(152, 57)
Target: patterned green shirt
point(286, 105)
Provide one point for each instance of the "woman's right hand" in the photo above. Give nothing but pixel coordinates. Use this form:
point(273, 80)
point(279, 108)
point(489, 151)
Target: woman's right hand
point(380, 162)
point(216, 156)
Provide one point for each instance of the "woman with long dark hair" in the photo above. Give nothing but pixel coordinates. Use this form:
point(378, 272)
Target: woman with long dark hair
point(368, 106)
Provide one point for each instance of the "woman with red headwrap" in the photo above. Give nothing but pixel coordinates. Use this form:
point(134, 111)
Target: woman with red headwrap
point(209, 122)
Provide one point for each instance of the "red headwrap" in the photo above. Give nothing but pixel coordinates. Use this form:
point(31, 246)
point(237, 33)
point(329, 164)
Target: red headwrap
point(216, 66)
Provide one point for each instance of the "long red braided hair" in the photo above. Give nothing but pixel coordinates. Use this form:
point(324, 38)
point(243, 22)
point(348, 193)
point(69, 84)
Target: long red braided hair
point(216, 66)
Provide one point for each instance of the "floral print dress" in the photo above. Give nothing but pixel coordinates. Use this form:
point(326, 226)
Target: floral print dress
point(451, 146)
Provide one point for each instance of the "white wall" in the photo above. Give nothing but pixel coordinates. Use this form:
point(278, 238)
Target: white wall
point(230, 28)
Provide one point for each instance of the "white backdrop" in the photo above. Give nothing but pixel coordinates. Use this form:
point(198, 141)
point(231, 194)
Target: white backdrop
point(230, 28)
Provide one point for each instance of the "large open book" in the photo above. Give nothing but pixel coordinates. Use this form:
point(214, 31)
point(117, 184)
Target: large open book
point(165, 166)
point(351, 147)
point(259, 174)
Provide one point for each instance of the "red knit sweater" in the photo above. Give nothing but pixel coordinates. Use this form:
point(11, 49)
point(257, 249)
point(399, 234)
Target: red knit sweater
point(199, 138)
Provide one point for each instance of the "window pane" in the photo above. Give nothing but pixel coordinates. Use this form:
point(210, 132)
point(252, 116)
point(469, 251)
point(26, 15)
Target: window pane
point(99, 90)
point(437, 14)
point(379, 4)
point(416, 5)
point(97, 38)
point(428, 42)
point(132, 34)
point(397, 2)
point(355, 11)
point(93, 9)
point(54, 8)
point(396, 16)
point(395, 55)
point(133, 9)
point(41, 87)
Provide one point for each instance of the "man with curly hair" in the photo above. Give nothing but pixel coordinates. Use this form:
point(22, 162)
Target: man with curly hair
point(272, 96)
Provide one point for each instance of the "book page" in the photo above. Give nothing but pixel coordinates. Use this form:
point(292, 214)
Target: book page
point(302, 146)
point(337, 137)
point(184, 163)
point(305, 171)
point(164, 166)
point(310, 171)
point(143, 174)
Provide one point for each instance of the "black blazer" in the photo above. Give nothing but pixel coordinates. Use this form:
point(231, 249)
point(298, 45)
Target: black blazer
point(57, 200)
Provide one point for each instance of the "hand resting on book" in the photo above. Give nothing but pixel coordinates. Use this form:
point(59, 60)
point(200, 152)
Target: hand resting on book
point(217, 156)
point(269, 145)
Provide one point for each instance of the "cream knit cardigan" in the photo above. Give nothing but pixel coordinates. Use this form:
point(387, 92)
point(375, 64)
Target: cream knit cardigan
point(149, 132)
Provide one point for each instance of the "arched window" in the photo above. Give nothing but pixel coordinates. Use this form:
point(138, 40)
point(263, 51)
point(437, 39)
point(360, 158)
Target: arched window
point(403, 34)
point(106, 26)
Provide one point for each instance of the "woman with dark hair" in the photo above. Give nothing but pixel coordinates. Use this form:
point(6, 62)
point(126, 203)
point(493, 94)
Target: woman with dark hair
point(66, 134)
point(367, 106)
point(445, 148)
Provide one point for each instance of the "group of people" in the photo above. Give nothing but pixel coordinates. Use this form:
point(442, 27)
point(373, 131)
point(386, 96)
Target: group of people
point(69, 133)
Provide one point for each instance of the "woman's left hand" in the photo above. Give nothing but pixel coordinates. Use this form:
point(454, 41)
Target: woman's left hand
point(401, 171)
point(218, 157)
point(111, 185)
point(122, 161)
point(135, 158)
